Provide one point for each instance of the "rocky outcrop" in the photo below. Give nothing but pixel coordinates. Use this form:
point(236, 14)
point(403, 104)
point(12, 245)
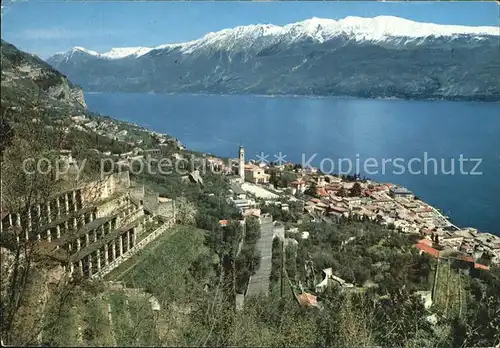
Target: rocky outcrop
point(25, 76)
point(77, 95)
point(63, 91)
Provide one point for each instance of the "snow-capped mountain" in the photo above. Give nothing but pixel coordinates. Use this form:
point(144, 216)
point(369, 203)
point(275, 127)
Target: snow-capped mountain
point(376, 57)
point(114, 53)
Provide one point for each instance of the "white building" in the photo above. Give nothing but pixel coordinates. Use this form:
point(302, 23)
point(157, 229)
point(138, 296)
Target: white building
point(241, 163)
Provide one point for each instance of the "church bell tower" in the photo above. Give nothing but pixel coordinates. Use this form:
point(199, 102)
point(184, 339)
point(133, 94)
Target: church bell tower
point(241, 163)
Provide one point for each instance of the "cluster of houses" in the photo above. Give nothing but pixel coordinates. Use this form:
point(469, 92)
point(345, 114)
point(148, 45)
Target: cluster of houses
point(246, 205)
point(106, 128)
point(389, 205)
point(397, 207)
point(113, 130)
point(466, 245)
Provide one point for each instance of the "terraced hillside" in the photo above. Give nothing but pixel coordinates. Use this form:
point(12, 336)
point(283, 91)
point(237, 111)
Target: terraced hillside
point(450, 289)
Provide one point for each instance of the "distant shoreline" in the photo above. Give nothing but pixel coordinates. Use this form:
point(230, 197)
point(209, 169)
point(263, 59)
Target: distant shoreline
point(304, 96)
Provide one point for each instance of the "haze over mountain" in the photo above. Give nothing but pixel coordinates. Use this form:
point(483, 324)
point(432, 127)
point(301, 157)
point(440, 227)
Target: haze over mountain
point(365, 57)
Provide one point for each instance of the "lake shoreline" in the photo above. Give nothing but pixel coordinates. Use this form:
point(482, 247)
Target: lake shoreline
point(310, 96)
point(335, 128)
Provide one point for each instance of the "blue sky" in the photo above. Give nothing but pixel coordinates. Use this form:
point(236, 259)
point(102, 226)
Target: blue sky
point(44, 27)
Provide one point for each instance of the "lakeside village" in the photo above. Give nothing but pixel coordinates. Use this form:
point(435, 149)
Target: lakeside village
point(118, 218)
point(328, 197)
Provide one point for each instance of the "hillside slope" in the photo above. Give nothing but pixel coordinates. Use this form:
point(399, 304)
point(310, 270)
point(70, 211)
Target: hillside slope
point(38, 302)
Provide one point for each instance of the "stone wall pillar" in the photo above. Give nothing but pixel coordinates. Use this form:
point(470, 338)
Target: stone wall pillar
point(128, 240)
point(49, 239)
point(75, 224)
point(66, 203)
point(49, 218)
point(94, 234)
point(30, 223)
point(113, 250)
point(98, 259)
point(173, 205)
point(78, 244)
point(71, 268)
point(134, 237)
point(121, 244)
point(90, 265)
point(39, 214)
point(106, 256)
point(58, 207)
point(87, 239)
point(80, 267)
point(18, 220)
point(75, 207)
point(58, 232)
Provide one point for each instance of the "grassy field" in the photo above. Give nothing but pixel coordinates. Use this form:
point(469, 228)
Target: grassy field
point(163, 267)
point(119, 273)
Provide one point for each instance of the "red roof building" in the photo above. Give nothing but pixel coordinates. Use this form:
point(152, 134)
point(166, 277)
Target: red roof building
point(427, 249)
point(322, 192)
point(427, 242)
point(480, 266)
point(338, 209)
point(333, 187)
point(307, 300)
point(465, 258)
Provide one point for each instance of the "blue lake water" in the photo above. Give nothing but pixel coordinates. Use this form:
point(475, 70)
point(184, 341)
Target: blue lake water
point(402, 134)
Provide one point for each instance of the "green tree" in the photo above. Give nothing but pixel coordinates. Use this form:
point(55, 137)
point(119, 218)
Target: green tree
point(342, 192)
point(356, 190)
point(312, 190)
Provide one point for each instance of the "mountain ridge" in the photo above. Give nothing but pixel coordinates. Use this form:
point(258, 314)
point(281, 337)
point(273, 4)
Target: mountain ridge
point(385, 26)
point(380, 57)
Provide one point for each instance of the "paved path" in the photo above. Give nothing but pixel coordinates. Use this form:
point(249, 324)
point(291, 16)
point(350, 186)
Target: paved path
point(259, 282)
